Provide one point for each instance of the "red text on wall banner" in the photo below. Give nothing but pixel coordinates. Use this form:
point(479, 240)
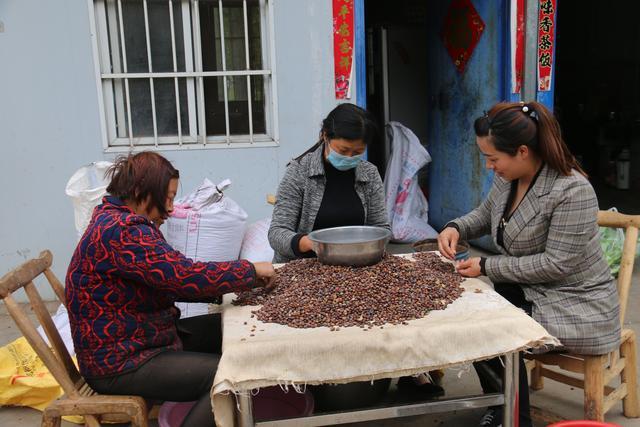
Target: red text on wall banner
point(546, 31)
point(517, 44)
point(343, 46)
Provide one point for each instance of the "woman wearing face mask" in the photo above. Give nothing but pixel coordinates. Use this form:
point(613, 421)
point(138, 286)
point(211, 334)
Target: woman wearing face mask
point(330, 185)
point(542, 215)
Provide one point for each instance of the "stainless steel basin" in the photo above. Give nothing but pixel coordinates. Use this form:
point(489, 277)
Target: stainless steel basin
point(351, 246)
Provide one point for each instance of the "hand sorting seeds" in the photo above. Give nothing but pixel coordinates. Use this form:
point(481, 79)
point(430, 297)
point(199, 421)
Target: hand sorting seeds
point(309, 294)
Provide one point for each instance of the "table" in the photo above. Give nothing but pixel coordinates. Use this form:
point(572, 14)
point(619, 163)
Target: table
point(507, 398)
point(479, 325)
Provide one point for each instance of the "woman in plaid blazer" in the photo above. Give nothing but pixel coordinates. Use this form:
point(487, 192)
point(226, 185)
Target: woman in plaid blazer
point(542, 215)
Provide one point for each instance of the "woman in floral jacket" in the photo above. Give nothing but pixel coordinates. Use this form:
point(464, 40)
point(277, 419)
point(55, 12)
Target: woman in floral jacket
point(121, 286)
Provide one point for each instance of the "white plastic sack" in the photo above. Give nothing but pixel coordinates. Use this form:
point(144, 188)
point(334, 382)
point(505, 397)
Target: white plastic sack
point(86, 187)
point(191, 309)
point(61, 320)
point(206, 226)
point(255, 245)
point(407, 207)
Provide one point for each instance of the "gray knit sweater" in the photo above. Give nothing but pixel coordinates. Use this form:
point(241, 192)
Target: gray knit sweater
point(300, 194)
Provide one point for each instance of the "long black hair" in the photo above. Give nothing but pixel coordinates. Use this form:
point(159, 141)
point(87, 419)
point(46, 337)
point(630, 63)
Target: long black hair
point(346, 121)
point(512, 124)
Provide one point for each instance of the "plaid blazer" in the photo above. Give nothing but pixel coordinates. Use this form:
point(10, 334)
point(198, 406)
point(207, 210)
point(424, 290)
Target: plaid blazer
point(552, 250)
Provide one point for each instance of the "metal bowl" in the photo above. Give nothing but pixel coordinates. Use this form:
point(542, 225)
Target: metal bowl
point(354, 246)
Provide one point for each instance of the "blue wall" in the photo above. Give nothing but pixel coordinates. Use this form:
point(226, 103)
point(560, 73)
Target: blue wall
point(458, 178)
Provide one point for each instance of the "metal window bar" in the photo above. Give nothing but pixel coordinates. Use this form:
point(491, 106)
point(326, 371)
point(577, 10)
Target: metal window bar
point(273, 87)
point(200, 79)
point(104, 62)
point(175, 69)
point(113, 19)
point(224, 77)
point(213, 142)
point(248, 67)
point(150, 64)
point(116, 66)
point(264, 52)
point(193, 74)
point(188, 62)
point(124, 68)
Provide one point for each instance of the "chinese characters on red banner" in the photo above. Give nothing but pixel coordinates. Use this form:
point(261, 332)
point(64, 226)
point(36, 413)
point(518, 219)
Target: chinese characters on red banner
point(546, 30)
point(517, 44)
point(343, 46)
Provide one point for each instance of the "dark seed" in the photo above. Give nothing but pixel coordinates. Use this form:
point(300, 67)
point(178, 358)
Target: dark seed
point(309, 294)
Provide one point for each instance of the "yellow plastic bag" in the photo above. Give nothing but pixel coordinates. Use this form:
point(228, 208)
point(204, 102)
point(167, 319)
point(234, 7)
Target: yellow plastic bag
point(25, 380)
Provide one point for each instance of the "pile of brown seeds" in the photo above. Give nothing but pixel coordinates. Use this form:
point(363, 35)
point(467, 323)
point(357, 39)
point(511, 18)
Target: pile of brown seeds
point(310, 294)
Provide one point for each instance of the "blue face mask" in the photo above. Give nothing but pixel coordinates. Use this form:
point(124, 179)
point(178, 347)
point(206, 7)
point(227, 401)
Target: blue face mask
point(343, 163)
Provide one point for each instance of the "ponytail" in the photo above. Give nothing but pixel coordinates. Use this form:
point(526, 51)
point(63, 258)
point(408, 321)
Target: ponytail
point(513, 124)
point(313, 148)
point(551, 147)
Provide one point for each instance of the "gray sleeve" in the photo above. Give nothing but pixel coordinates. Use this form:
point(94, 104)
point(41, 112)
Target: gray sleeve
point(377, 211)
point(572, 219)
point(476, 223)
point(287, 210)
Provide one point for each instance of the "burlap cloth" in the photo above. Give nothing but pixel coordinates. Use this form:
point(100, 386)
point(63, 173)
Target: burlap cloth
point(479, 325)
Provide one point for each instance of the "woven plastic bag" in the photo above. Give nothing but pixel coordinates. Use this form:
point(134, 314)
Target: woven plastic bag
point(206, 225)
point(611, 240)
point(255, 245)
point(407, 207)
point(26, 381)
point(86, 187)
point(612, 243)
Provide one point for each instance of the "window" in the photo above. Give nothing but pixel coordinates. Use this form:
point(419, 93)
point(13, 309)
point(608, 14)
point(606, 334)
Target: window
point(185, 73)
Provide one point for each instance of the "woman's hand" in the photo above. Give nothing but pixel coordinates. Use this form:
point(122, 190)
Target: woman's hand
point(265, 274)
point(469, 267)
point(447, 242)
point(305, 244)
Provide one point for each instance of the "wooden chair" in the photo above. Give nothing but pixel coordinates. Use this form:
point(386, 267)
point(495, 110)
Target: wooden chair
point(79, 399)
point(597, 372)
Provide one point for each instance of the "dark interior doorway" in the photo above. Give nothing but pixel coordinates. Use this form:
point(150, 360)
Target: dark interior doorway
point(396, 51)
point(597, 95)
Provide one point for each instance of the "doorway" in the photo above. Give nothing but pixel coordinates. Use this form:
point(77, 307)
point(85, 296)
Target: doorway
point(597, 95)
point(396, 51)
point(435, 66)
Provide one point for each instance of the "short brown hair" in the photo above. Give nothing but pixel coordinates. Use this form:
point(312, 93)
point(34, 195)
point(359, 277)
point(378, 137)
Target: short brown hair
point(138, 176)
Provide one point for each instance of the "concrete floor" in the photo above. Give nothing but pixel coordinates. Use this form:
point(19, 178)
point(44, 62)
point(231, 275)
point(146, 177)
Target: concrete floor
point(557, 398)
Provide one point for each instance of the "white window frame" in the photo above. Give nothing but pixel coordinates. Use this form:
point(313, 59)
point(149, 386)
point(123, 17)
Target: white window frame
point(194, 75)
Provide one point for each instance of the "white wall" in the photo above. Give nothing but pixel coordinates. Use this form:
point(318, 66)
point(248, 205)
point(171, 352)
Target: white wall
point(49, 120)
